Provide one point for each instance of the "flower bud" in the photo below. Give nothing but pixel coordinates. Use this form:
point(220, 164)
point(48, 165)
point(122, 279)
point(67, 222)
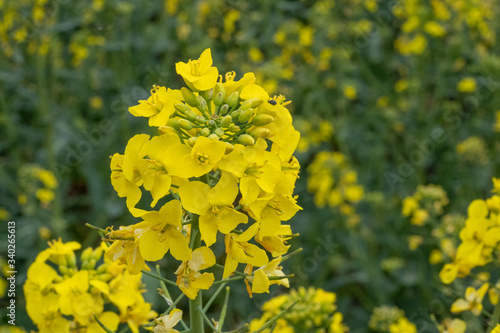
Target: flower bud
point(91, 264)
point(251, 103)
point(232, 100)
point(191, 141)
point(105, 277)
point(219, 98)
point(86, 254)
point(246, 140)
point(71, 259)
point(202, 104)
point(226, 121)
point(211, 123)
point(262, 119)
point(191, 116)
point(208, 94)
point(102, 268)
point(260, 132)
point(234, 128)
point(219, 132)
point(202, 120)
point(205, 132)
point(213, 136)
point(182, 108)
point(223, 109)
point(63, 269)
point(235, 114)
point(97, 254)
point(189, 96)
point(173, 123)
point(166, 129)
point(185, 124)
point(229, 147)
point(245, 115)
point(220, 93)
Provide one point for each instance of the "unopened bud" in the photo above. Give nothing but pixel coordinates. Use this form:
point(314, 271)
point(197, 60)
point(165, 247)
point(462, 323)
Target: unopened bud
point(105, 277)
point(234, 128)
point(223, 109)
point(189, 96)
point(202, 104)
point(260, 132)
point(173, 123)
point(208, 94)
point(246, 140)
point(226, 121)
point(262, 119)
point(97, 254)
point(191, 116)
point(182, 108)
point(245, 115)
point(102, 268)
point(219, 132)
point(71, 259)
point(185, 124)
point(220, 94)
point(191, 141)
point(205, 132)
point(235, 114)
point(232, 100)
point(86, 254)
point(229, 147)
point(213, 137)
point(63, 270)
point(202, 120)
point(251, 103)
point(166, 129)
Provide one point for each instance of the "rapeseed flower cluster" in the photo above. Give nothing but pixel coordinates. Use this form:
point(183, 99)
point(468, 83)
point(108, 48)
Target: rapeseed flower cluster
point(480, 242)
point(335, 184)
point(222, 163)
point(390, 319)
point(313, 133)
point(315, 311)
point(37, 185)
point(427, 201)
point(64, 296)
point(422, 23)
point(473, 150)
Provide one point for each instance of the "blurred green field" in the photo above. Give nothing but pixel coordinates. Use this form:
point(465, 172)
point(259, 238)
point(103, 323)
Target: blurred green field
point(389, 97)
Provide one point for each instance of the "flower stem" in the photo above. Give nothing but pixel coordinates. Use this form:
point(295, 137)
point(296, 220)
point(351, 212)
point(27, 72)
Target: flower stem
point(196, 305)
point(495, 319)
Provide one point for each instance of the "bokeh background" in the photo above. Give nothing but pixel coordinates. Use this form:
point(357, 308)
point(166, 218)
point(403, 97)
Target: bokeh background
point(394, 99)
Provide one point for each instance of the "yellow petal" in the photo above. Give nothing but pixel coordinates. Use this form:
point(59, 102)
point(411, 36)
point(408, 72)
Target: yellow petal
point(477, 209)
point(460, 305)
point(229, 219)
point(152, 249)
point(209, 227)
point(254, 91)
point(194, 197)
point(179, 246)
point(260, 282)
point(224, 193)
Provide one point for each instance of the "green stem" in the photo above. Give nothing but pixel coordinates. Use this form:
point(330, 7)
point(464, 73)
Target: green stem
point(196, 305)
point(495, 319)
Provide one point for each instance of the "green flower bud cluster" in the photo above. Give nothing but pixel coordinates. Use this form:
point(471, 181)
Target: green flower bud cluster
point(383, 317)
point(218, 116)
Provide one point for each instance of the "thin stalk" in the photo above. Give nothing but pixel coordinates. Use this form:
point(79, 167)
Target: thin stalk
point(210, 301)
point(196, 305)
point(224, 311)
point(159, 278)
point(495, 319)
